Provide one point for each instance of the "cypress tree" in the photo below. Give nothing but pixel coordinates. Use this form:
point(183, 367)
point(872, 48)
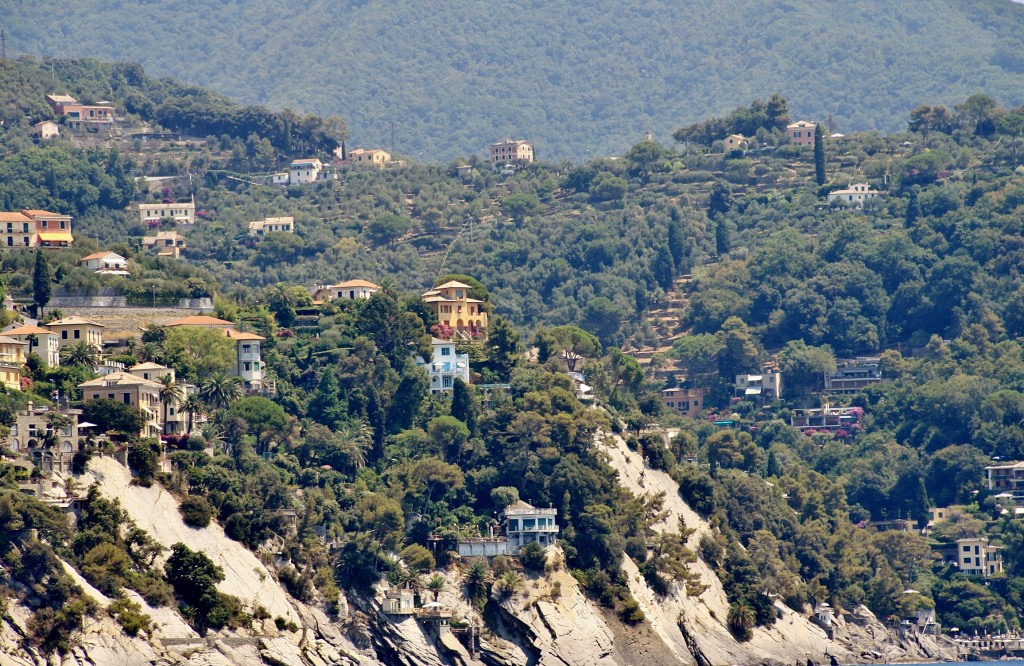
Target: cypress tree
point(723, 240)
point(41, 278)
point(913, 209)
point(819, 155)
point(463, 406)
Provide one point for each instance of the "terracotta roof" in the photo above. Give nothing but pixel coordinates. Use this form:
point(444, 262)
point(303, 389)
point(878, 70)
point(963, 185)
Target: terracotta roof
point(452, 285)
point(242, 335)
point(119, 379)
point(148, 366)
point(14, 217)
point(74, 321)
point(62, 98)
point(42, 213)
point(97, 255)
point(4, 340)
point(200, 320)
point(28, 329)
point(355, 283)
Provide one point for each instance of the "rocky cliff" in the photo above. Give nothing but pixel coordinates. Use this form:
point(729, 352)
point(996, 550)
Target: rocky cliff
point(549, 620)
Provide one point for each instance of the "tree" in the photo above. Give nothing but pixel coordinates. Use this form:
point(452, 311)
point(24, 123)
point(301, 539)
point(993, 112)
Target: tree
point(41, 279)
point(927, 118)
point(196, 511)
point(819, 155)
point(520, 206)
point(504, 347)
point(677, 245)
point(114, 416)
point(192, 406)
point(199, 351)
point(533, 557)
point(81, 353)
point(719, 202)
point(171, 395)
point(570, 343)
point(741, 620)
point(504, 496)
point(266, 418)
point(913, 208)
point(464, 407)
point(436, 584)
point(604, 317)
point(723, 237)
point(219, 390)
point(385, 229)
point(644, 158)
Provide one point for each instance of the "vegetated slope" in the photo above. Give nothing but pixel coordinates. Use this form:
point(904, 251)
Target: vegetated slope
point(579, 78)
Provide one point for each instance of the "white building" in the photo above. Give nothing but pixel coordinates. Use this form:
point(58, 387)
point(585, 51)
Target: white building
point(304, 171)
point(766, 385)
point(41, 341)
point(108, 263)
point(260, 228)
point(74, 329)
point(525, 524)
point(155, 213)
point(976, 557)
point(47, 129)
point(854, 196)
point(350, 289)
point(248, 363)
point(445, 366)
point(280, 178)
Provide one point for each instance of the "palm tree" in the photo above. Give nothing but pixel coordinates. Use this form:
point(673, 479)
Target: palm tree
point(509, 583)
point(170, 394)
point(355, 438)
point(212, 435)
point(476, 579)
point(192, 405)
point(151, 352)
point(81, 353)
point(436, 584)
point(219, 390)
point(389, 287)
point(741, 620)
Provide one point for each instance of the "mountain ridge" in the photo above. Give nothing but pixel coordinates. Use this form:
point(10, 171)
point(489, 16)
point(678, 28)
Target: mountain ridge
point(579, 80)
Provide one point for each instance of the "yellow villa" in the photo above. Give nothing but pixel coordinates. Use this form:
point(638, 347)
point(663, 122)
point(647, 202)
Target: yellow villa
point(457, 314)
point(12, 359)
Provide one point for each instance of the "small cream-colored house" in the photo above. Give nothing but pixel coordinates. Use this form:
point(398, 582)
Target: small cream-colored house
point(42, 342)
point(260, 228)
point(75, 329)
point(350, 289)
point(372, 157)
point(155, 213)
point(105, 262)
point(45, 130)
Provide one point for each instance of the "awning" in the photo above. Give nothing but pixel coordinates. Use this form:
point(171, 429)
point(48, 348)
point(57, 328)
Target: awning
point(752, 391)
point(56, 236)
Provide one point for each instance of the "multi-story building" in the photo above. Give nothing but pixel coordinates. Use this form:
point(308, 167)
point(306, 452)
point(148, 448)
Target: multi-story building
point(688, 402)
point(154, 214)
point(304, 171)
point(445, 366)
point(260, 228)
point(35, 228)
point(48, 437)
point(73, 329)
point(766, 385)
point(976, 557)
point(248, 363)
point(735, 142)
point(511, 151)
point(165, 244)
point(457, 314)
point(42, 342)
point(854, 377)
point(82, 116)
point(372, 157)
point(12, 361)
point(525, 524)
point(1008, 476)
point(350, 289)
point(125, 387)
point(176, 422)
point(826, 418)
point(801, 133)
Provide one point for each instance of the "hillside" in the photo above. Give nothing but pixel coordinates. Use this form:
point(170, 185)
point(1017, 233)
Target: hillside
point(580, 79)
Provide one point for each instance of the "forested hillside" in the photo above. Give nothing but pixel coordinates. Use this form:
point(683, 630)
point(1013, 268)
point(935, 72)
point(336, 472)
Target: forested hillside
point(384, 477)
point(580, 79)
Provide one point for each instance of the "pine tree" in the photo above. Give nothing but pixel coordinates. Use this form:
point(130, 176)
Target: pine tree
point(819, 155)
point(463, 406)
point(41, 278)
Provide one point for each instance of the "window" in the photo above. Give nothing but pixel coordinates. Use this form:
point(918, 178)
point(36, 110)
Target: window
point(967, 549)
point(248, 366)
point(14, 429)
point(126, 398)
point(78, 334)
point(446, 381)
point(246, 349)
point(63, 335)
point(446, 351)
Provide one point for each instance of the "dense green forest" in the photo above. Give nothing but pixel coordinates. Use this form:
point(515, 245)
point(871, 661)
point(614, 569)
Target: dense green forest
point(572, 258)
point(580, 79)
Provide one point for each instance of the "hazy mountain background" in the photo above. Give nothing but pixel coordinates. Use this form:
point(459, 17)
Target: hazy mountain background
point(579, 78)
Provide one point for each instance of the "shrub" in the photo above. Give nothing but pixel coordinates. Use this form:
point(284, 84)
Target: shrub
point(630, 612)
point(533, 557)
point(196, 511)
point(130, 616)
